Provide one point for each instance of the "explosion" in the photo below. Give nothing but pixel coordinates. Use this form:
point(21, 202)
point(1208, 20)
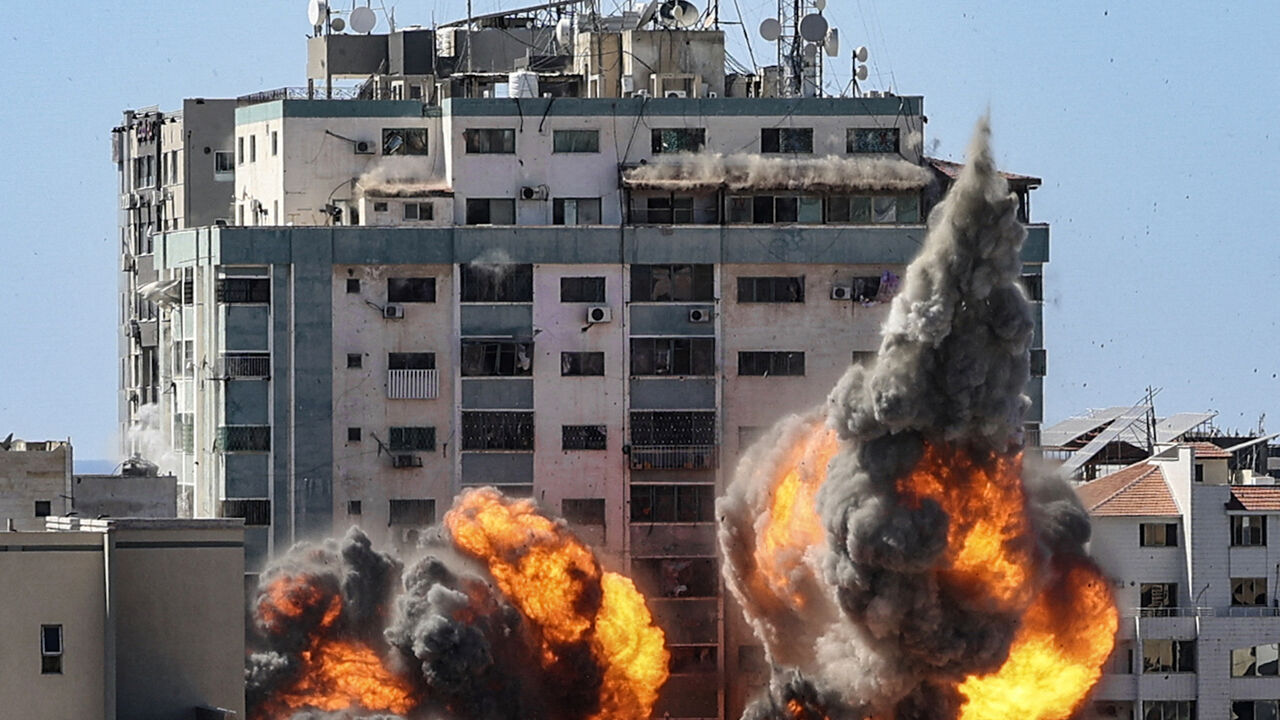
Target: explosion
point(506, 616)
point(892, 551)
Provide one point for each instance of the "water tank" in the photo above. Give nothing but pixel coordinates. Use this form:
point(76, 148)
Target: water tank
point(522, 84)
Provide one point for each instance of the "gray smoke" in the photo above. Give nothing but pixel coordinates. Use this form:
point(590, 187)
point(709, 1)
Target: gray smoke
point(744, 171)
point(874, 630)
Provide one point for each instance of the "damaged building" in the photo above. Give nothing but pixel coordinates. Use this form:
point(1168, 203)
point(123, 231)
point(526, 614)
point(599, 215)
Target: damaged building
point(578, 257)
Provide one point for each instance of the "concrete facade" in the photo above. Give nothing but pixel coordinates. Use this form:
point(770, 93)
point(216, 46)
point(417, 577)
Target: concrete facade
point(35, 482)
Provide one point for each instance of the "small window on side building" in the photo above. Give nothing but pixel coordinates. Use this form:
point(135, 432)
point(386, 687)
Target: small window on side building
point(50, 649)
point(1158, 535)
point(44, 508)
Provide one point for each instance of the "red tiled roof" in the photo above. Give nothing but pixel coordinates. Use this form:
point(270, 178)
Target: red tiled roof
point(1139, 489)
point(1255, 497)
point(952, 170)
point(1208, 451)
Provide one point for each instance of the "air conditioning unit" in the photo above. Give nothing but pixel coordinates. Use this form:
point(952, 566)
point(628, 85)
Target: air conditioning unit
point(406, 461)
point(713, 94)
point(533, 192)
point(599, 314)
point(676, 94)
point(699, 315)
point(393, 312)
point(363, 147)
point(841, 292)
point(642, 92)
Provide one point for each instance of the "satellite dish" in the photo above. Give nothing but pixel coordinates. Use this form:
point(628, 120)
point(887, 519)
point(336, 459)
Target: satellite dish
point(771, 29)
point(810, 53)
point(861, 53)
point(564, 32)
point(819, 5)
point(862, 72)
point(646, 15)
point(363, 20)
point(813, 28)
point(832, 43)
point(338, 24)
point(686, 14)
point(317, 11)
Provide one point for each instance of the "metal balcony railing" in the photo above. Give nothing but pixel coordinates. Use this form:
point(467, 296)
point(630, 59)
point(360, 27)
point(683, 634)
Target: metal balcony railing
point(244, 365)
point(674, 457)
point(243, 438)
point(413, 384)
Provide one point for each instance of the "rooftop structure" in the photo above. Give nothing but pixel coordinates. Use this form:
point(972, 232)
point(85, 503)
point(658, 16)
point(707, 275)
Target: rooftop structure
point(35, 481)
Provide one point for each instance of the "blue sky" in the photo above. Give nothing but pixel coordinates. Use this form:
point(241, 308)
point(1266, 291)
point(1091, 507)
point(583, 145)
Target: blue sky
point(1152, 123)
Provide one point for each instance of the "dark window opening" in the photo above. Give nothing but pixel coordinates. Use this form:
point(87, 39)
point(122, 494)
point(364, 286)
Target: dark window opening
point(768, 363)
point(1168, 656)
point(50, 649)
point(575, 211)
point(583, 511)
point(673, 356)
point(481, 358)
point(255, 512)
point(872, 140)
point(497, 430)
point(490, 140)
point(673, 503)
point(1034, 285)
point(691, 660)
point(497, 283)
point(44, 508)
point(411, 361)
point(786, 140)
point(416, 512)
point(672, 283)
point(244, 290)
point(583, 437)
point(581, 363)
point(404, 141)
point(354, 507)
point(575, 141)
point(353, 434)
point(411, 290)
point(1249, 530)
point(491, 211)
point(1157, 597)
point(355, 360)
point(672, 427)
point(1158, 535)
point(673, 140)
point(408, 439)
point(353, 285)
point(581, 289)
point(1039, 362)
point(1249, 592)
point(771, 289)
point(419, 211)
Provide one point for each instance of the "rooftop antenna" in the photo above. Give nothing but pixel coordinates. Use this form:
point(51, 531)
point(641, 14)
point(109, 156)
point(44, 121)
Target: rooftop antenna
point(801, 32)
point(363, 20)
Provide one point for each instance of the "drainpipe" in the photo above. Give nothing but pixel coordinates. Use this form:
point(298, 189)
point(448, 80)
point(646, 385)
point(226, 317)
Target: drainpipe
point(109, 625)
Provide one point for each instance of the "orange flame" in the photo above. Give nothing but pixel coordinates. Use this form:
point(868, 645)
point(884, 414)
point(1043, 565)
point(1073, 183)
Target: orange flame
point(548, 574)
point(289, 597)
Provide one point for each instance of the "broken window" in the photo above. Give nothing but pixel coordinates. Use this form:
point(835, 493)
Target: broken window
point(414, 512)
point(583, 511)
point(677, 577)
point(496, 283)
point(490, 140)
point(786, 140)
point(1248, 530)
point(496, 358)
point(581, 289)
point(673, 356)
point(1247, 592)
point(866, 288)
point(575, 141)
point(872, 140)
point(256, 512)
point(411, 290)
point(404, 141)
point(1158, 598)
point(419, 211)
point(1253, 710)
point(50, 649)
point(497, 430)
point(491, 211)
point(581, 363)
point(673, 140)
point(672, 283)
point(771, 289)
point(673, 427)
point(244, 290)
point(773, 362)
point(1168, 710)
point(1168, 656)
point(575, 211)
point(884, 209)
point(411, 439)
point(1158, 535)
point(411, 361)
point(223, 162)
point(1256, 661)
point(672, 503)
point(692, 659)
point(583, 437)
point(1034, 285)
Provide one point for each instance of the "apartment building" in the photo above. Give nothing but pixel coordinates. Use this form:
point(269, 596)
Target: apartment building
point(35, 481)
point(1186, 540)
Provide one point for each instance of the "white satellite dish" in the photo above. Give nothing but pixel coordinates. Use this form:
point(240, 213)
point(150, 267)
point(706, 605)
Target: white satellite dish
point(813, 28)
point(363, 20)
point(564, 32)
point(646, 15)
point(686, 14)
point(337, 24)
point(771, 29)
point(819, 5)
point(832, 43)
point(861, 53)
point(317, 11)
point(862, 72)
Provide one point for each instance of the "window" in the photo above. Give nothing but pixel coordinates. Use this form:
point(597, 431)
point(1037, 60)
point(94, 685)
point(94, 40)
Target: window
point(1254, 710)
point(415, 512)
point(668, 210)
point(243, 438)
point(575, 211)
point(353, 285)
point(491, 430)
point(380, 206)
point(1168, 710)
point(865, 288)
point(872, 140)
point(1158, 598)
point(410, 439)
point(275, 143)
point(44, 508)
point(1039, 360)
point(50, 649)
point(244, 290)
point(497, 283)
point(355, 360)
point(353, 434)
point(1198, 473)
point(491, 211)
point(421, 211)
point(577, 364)
point(673, 503)
point(404, 141)
point(411, 361)
point(411, 290)
point(673, 356)
point(672, 283)
point(771, 289)
point(583, 511)
point(583, 437)
point(490, 140)
point(224, 162)
point(1249, 592)
point(1158, 535)
point(677, 577)
point(575, 141)
point(1256, 661)
point(494, 358)
point(1034, 285)
point(852, 209)
point(256, 512)
point(239, 151)
point(1168, 656)
point(673, 140)
point(692, 659)
point(684, 428)
point(581, 289)
point(253, 148)
point(786, 140)
point(783, 362)
point(1248, 530)
point(354, 507)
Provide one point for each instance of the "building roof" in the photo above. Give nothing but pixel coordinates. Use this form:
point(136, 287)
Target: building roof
point(1208, 451)
point(1140, 489)
point(1255, 497)
point(952, 170)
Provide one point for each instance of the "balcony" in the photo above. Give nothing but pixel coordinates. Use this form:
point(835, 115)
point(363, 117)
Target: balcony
point(675, 457)
point(244, 365)
point(413, 384)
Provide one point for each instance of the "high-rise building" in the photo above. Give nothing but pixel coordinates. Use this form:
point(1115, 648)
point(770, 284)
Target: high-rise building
point(574, 258)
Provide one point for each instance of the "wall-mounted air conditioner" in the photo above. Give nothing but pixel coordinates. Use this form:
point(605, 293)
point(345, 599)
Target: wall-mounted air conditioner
point(676, 94)
point(393, 312)
point(406, 461)
point(363, 147)
point(599, 314)
point(533, 192)
point(841, 292)
point(699, 315)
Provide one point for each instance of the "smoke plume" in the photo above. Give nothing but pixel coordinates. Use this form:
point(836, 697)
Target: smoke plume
point(505, 615)
point(742, 171)
point(891, 550)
